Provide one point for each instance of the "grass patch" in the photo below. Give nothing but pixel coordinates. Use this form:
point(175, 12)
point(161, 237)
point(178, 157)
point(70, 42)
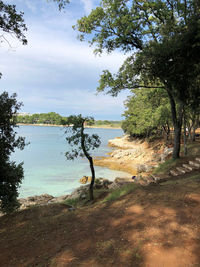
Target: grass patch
point(191, 180)
point(99, 192)
point(193, 150)
point(72, 202)
point(124, 190)
point(166, 166)
point(77, 202)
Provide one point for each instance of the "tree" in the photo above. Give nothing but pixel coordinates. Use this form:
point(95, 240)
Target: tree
point(153, 31)
point(147, 113)
point(11, 173)
point(61, 3)
point(11, 22)
point(81, 143)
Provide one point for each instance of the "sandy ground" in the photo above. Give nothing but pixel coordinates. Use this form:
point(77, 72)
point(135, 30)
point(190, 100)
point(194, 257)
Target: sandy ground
point(154, 226)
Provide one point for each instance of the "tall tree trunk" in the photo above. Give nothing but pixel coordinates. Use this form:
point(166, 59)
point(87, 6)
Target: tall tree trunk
point(177, 115)
point(90, 161)
point(166, 129)
point(194, 133)
point(189, 127)
point(93, 178)
point(185, 136)
point(177, 141)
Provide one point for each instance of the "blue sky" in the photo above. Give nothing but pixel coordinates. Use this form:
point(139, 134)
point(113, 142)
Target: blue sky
point(55, 71)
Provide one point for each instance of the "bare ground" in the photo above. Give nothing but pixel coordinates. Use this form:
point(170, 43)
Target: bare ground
point(154, 226)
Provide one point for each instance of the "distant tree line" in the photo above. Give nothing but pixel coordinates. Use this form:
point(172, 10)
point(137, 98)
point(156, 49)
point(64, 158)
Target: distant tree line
point(42, 118)
point(107, 123)
point(56, 119)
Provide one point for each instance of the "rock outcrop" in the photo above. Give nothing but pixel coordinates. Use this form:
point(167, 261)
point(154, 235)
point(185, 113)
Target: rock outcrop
point(133, 155)
point(80, 193)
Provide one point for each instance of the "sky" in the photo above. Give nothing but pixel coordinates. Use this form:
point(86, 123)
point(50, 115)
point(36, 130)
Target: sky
point(55, 71)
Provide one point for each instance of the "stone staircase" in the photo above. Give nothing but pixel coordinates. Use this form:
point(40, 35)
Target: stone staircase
point(192, 165)
point(185, 168)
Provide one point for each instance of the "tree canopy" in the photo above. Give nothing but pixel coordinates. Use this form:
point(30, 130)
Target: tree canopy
point(133, 24)
point(12, 22)
point(147, 113)
point(162, 37)
point(11, 173)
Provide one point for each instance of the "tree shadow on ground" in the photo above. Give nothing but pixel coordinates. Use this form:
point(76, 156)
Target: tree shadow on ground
point(152, 226)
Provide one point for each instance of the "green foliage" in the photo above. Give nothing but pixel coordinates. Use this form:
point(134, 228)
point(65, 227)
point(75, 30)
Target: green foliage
point(11, 173)
point(134, 24)
point(72, 202)
point(56, 119)
point(61, 3)
point(12, 22)
point(81, 143)
point(107, 123)
point(164, 167)
point(164, 39)
point(148, 110)
point(42, 118)
point(116, 194)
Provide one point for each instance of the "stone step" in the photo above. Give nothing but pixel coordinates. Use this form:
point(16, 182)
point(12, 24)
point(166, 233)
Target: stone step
point(154, 177)
point(144, 181)
point(181, 170)
point(188, 167)
point(141, 182)
point(198, 159)
point(194, 163)
point(150, 179)
point(174, 173)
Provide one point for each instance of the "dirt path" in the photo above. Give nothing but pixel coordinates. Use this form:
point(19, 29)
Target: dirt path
point(156, 226)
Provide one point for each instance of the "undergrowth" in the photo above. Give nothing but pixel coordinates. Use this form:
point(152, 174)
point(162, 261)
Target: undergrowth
point(166, 166)
point(75, 202)
point(124, 190)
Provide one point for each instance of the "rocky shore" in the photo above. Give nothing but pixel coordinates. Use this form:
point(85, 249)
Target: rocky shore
point(130, 155)
point(80, 193)
point(134, 156)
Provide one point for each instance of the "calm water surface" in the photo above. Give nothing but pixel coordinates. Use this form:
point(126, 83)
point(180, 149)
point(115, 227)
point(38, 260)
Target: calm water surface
point(46, 169)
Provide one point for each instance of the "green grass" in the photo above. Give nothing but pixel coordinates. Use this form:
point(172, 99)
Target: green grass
point(72, 202)
point(193, 150)
point(99, 192)
point(75, 202)
point(124, 190)
point(166, 166)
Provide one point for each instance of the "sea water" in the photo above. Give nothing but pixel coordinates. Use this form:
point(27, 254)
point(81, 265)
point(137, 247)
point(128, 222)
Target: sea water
point(46, 169)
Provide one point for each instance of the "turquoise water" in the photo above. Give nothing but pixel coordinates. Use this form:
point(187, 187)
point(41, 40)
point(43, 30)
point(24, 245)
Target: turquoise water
point(46, 169)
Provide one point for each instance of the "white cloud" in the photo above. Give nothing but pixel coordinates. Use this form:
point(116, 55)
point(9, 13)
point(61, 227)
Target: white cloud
point(88, 5)
point(31, 5)
point(57, 72)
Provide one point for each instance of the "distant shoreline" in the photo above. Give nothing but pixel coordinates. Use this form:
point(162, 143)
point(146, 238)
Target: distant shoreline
point(55, 125)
